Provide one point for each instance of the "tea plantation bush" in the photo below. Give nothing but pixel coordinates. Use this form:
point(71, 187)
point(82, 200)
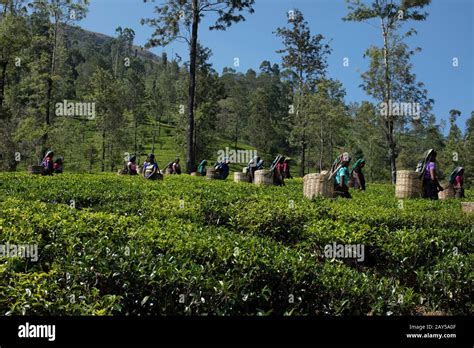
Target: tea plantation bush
point(111, 245)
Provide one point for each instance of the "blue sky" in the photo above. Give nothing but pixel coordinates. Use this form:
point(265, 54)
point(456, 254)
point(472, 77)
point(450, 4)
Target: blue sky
point(447, 33)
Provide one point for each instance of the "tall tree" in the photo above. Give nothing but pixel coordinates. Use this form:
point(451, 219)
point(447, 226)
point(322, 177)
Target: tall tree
point(390, 14)
point(327, 120)
point(58, 13)
point(14, 38)
point(174, 19)
point(365, 136)
point(453, 154)
point(468, 150)
point(108, 96)
point(305, 57)
point(408, 108)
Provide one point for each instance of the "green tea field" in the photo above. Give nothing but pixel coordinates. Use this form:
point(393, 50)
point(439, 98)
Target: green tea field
point(118, 245)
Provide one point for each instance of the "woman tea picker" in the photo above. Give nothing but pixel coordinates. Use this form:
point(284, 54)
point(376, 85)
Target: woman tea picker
point(358, 175)
point(456, 179)
point(222, 169)
point(132, 166)
point(253, 166)
point(47, 163)
point(340, 172)
point(202, 168)
point(431, 186)
point(58, 165)
point(150, 168)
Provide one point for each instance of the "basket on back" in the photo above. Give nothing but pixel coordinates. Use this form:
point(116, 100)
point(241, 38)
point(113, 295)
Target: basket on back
point(447, 193)
point(317, 184)
point(211, 173)
point(468, 207)
point(409, 184)
point(263, 177)
point(241, 177)
point(35, 169)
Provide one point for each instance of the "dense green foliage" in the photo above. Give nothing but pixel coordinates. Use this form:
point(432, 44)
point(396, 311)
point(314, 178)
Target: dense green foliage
point(188, 245)
point(141, 99)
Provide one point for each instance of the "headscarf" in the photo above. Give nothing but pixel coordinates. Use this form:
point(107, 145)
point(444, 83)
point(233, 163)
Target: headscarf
point(455, 173)
point(358, 163)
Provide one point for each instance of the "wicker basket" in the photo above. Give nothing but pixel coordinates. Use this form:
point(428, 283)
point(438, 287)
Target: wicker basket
point(350, 183)
point(195, 174)
point(408, 184)
point(35, 169)
point(263, 177)
point(447, 193)
point(317, 184)
point(211, 173)
point(241, 177)
point(468, 207)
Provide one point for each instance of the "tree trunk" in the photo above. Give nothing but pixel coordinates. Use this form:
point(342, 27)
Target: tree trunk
point(298, 106)
point(308, 155)
point(103, 151)
point(190, 156)
point(390, 138)
point(47, 120)
point(392, 155)
point(371, 173)
point(196, 131)
point(393, 166)
point(135, 140)
point(49, 90)
point(236, 132)
point(91, 160)
point(303, 153)
point(153, 139)
point(331, 148)
point(83, 131)
point(3, 67)
point(321, 151)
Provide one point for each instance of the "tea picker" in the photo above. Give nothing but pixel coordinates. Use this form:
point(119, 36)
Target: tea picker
point(358, 175)
point(427, 170)
point(340, 172)
point(456, 179)
point(47, 163)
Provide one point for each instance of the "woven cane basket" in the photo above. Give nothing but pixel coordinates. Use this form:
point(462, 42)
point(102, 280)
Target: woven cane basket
point(447, 193)
point(468, 207)
point(35, 169)
point(240, 177)
point(211, 173)
point(317, 184)
point(263, 177)
point(408, 184)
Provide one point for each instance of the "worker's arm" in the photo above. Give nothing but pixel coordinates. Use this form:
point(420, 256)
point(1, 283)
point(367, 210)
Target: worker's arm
point(435, 179)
